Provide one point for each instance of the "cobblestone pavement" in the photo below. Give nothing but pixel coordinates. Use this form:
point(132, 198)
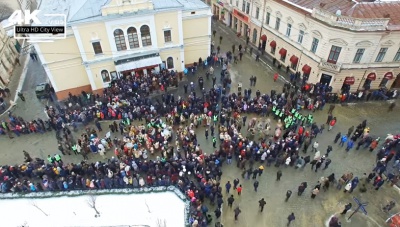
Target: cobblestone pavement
point(308, 212)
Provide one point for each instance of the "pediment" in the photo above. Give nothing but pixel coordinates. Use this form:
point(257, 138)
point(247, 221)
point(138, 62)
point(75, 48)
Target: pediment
point(388, 43)
point(290, 20)
point(302, 27)
point(364, 44)
point(268, 9)
point(339, 42)
point(278, 14)
point(317, 34)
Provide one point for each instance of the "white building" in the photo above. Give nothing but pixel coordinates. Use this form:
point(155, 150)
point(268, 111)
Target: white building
point(352, 45)
point(8, 56)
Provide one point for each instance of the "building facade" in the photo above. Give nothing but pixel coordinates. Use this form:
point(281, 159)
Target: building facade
point(8, 57)
point(349, 45)
point(108, 39)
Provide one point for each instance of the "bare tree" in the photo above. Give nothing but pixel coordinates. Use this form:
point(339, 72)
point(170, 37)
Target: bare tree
point(161, 222)
point(92, 204)
point(33, 203)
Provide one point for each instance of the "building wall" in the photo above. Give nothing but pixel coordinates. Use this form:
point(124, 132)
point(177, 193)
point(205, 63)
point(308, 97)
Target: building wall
point(8, 56)
point(69, 74)
point(196, 38)
point(349, 41)
point(77, 66)
point(95, 71)
point(86, 34)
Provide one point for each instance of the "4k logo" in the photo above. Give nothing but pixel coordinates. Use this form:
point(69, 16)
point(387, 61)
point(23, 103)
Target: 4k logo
point(26, 18)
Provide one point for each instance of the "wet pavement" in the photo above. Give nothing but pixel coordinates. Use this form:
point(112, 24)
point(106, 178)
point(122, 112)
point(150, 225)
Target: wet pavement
point(309, 212)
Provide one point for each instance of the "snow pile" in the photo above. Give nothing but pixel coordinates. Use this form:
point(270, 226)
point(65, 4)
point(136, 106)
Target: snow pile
point(123, 209)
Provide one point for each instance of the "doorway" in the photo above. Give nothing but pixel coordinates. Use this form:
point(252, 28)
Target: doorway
point(326, 79)
point(230, 20)
point(246, 28)
point(235, 24)
point(254, 35)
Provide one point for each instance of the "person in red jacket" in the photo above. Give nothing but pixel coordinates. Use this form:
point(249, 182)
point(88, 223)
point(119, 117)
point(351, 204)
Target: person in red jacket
point(332, 123)
point(239, 190)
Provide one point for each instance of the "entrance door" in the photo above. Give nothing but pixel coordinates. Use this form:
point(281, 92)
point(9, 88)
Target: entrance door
point(235, 24)
point(264, 44)
point(245, 30)
point(254, 35)
point(326, 79)
point(230, 20)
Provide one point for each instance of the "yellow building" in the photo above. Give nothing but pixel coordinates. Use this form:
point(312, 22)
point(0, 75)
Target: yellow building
point(110, 38)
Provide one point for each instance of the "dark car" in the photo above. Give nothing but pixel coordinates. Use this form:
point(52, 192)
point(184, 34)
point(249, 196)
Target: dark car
point(42, 90)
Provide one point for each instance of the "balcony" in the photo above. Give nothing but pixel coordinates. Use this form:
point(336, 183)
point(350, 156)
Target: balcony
point(356, 24)
point(324, 65)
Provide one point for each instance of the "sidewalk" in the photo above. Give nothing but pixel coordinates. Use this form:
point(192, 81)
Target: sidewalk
point(16, 81)
point(266, 58)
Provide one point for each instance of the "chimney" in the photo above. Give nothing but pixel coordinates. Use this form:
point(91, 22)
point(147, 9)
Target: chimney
point(322, 5)
point(386, 15)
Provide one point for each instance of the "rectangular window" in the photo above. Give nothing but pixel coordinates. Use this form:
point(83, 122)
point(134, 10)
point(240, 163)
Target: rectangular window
point(231, 2)
point(334, 54)
point(244, 6)
point(300, 38)
point(358, 56)
point(237, 3)
point(397, 56)
point(381, 54)
point(277, 23)
point(273, 49)
point(288, 30)
point(268, 18)
point(314, 45)
point(167, 36)
point(97, 48)
point(257, 12)
point(248, 8)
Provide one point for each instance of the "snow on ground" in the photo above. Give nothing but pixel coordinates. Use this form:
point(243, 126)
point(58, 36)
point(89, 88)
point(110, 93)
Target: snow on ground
point(145, 209)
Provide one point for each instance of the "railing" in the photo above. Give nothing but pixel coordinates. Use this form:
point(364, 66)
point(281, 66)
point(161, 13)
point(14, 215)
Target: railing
point(351, 23)
point(330, 66)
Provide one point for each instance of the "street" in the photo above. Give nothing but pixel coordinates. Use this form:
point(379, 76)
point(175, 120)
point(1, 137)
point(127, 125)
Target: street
point(309, 212)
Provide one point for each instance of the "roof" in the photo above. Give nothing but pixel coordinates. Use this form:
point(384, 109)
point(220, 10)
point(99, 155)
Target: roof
point(90, 10)
point(358, 9)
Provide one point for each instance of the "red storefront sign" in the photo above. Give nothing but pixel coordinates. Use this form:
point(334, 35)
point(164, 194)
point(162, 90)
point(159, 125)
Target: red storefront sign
point(241, 15)
point(389, 76)
point(349, 80)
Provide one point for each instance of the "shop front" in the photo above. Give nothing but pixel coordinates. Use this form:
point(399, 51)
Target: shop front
point(218, 10)
point(347, 83)
point(241, 23)
point(138, 66)
point(387, 78)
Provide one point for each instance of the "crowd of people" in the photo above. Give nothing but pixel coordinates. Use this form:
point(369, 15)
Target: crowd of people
point(159, 145)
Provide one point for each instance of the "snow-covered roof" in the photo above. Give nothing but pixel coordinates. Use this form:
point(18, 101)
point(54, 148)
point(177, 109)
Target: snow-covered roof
point(90, 10)
point(192, 4)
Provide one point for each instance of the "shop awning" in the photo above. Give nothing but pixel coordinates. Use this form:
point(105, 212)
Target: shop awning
point(142, 63)
point(349, 80)
point(371, 76)
point(273, 44)
point(282, 52)
point(306, 69)
point(389, 76)
point(263, 38)
point(294, 59)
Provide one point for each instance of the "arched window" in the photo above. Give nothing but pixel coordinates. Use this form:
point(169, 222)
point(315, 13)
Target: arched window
point(170, 63)
point(105, 76)
point(119, 39)
point(145, 33)
point(133, 38)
